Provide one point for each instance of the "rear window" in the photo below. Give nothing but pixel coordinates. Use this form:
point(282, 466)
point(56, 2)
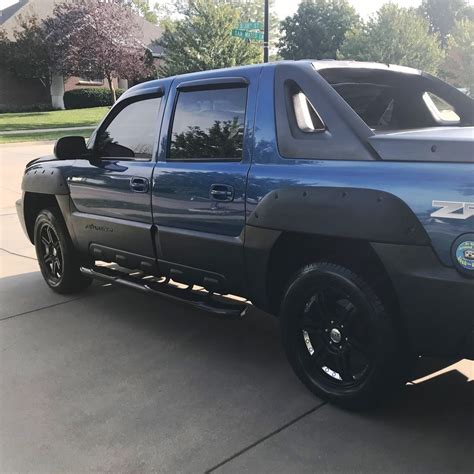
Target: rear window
point(372, 102)
point(394, 99)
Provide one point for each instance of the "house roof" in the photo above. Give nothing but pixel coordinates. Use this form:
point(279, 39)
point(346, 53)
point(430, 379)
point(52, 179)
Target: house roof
point(44, 8)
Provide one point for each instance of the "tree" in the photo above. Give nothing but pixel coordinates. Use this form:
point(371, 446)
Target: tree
point(317, 29)
point(442, 15)
point(458, 65)
point(96, 39)
point(143, 8)
point(27, 57)
point(394, 36)
point(202, 40)
point(4, 48)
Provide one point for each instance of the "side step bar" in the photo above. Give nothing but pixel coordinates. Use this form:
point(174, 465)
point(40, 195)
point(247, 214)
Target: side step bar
point(205, 301)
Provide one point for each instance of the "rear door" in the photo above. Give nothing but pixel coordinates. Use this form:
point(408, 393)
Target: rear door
point(200, 179)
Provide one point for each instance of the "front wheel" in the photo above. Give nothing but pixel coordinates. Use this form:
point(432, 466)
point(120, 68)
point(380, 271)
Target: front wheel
point(57, 257)
point(338, 336)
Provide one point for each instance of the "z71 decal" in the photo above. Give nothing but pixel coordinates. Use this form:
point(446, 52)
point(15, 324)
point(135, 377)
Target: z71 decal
point(453, 210)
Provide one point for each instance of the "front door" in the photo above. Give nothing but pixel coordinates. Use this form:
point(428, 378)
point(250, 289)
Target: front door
point(200, 180)
point(112, 193)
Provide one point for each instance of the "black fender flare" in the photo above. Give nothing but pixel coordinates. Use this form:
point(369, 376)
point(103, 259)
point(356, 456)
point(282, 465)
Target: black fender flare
point(343, 213)
point(356, 213)
point(45, 178)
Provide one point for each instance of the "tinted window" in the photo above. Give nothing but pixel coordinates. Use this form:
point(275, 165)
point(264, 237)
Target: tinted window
point(131, 134)
point(209, 125)
point(372, 102)
point(307, 119)
point(440, 109)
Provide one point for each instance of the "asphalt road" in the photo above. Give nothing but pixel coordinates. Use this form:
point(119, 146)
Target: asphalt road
point(114, 380)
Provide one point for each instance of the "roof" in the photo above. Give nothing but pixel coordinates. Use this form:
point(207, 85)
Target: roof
point(320, 64)
point(44, 8)
point(6, 13)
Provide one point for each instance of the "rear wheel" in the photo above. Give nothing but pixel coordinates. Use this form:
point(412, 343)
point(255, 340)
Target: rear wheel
point(338, 336)
point(57, 258)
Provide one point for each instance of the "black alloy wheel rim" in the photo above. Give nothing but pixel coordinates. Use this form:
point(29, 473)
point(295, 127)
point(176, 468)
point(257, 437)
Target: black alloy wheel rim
point(51, 253)
point(334, 343)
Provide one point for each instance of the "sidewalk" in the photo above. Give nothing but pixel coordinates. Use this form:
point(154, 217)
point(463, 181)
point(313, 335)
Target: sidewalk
point(44, 130)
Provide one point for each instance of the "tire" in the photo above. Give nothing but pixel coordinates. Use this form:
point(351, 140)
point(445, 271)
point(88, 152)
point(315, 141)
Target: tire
point(57, 258)
point(339, 338)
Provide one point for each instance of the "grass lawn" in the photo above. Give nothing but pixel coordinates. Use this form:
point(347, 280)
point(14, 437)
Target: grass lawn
point(54, 119)
point(33, 137)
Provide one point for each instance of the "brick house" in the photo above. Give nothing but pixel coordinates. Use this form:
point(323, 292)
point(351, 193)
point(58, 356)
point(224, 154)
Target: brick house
point(14, 91)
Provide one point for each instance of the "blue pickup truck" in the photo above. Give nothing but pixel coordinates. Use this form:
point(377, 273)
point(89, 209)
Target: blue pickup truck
point(338, 196)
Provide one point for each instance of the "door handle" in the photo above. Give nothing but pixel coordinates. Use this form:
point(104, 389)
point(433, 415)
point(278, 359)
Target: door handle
point(222, 192)
point(139, 185)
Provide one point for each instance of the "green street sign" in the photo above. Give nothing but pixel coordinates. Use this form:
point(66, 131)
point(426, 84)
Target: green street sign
point(244, 34)
point(251, 25)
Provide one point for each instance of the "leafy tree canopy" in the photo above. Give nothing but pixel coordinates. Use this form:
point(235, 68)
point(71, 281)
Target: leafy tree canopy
point(317, 29)
point(394, 35)
point(201, 39)
point(457, 68)
point(93, 39)
point(442, 15)
point(143, 8)
point(28, 55)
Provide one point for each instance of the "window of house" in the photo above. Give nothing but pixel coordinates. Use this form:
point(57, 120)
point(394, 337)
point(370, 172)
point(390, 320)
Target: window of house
point(440, 109)
point(132, 132)
point(209, 125)
point(90, 82)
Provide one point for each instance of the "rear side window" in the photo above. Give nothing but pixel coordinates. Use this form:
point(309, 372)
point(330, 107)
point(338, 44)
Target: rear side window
point(307, 119)
point(209, 125)
point(131, 133)
point(440, 109)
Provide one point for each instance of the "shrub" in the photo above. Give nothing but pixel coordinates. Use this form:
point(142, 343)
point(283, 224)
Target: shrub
point(16, 109)
point(91, 97)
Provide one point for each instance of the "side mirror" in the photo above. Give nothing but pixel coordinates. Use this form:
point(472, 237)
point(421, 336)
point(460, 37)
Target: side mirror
point(70, 148)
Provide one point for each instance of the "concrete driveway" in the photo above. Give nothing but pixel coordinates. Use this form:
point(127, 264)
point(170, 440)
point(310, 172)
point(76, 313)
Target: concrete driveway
point(114, 380)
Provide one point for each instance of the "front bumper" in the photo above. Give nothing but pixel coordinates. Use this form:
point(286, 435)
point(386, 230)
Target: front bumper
point(436, 302)
point(21, 215)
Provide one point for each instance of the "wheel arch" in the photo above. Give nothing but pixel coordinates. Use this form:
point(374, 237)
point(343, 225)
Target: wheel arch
point(292, 251)
point(33, 203)
point(297, 225)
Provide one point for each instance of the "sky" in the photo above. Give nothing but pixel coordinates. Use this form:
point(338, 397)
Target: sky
point(288, 7)
point(365, 8)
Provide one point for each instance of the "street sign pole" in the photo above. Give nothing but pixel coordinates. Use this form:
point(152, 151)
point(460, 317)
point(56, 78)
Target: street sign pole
point(265, 33)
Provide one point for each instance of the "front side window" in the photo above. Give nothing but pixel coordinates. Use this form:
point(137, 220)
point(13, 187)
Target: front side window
point(131, 134)
point(209, 125)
